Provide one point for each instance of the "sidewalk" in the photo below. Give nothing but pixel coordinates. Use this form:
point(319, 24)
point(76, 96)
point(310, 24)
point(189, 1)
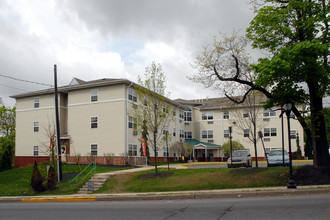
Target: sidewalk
point(198, 194)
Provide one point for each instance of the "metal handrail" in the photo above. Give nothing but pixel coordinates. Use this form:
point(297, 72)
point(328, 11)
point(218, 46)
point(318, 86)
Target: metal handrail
point(92, 170)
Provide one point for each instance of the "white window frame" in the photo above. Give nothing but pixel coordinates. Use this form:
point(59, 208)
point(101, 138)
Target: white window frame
point(94, 95)
point(131, 122)
point(207, 134)
point(273, 132)
point(226, 114)
point(207, 116)
point(293, 134)
point(36, 126)
point(246, 132)
point(174, 132)
point(94, 149)
point(132, 149)
point(36, 102)
point(245, 113)
point(165, 153)
point(181, 133)
point(181, 114)
point(132, 95)
point(226, 134)
point(93, 123)
point(35, 151)
point(188, 135)
point(270, 112)
point(187, 116)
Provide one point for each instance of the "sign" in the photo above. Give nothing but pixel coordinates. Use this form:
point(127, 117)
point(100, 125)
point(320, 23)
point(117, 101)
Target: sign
point(144, 147)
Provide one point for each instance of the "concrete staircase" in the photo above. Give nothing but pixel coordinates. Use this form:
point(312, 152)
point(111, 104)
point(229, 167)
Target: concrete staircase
point(95, 183)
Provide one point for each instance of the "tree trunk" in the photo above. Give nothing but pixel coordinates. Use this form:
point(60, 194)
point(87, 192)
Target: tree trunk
point(319, 136)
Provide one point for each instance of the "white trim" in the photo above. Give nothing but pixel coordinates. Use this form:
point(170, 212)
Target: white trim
point(98, 102)
point(97, 148)
point(97, 122)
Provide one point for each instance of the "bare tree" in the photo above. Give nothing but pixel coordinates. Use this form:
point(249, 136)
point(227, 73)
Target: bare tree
point(249, 121)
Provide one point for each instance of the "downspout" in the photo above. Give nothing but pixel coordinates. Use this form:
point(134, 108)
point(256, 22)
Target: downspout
point(126, 121)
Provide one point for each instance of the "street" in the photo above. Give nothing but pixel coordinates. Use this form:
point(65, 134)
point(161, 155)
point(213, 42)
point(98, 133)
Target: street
point(278, 207)
point(223, 165)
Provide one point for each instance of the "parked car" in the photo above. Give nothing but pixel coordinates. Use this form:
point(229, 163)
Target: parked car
point(240, 158)
point(275, 158)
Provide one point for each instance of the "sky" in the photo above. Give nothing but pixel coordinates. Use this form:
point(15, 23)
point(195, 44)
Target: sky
point(94, 39)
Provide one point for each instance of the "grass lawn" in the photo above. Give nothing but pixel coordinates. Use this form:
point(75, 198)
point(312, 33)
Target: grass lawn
point(197, 179)
point(17, 182)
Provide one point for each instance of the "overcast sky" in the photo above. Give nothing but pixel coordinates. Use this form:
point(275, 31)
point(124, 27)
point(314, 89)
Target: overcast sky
point(93, 39)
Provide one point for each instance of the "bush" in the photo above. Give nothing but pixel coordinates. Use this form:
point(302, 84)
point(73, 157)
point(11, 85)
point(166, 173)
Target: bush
point(235, 146)
point(51, 179)
point(36, 179)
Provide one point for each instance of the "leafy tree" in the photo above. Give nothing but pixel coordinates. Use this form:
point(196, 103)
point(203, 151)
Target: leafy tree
point(36, 179)
point(235, 146)
point(154, 110)
point(7, 121)
point(296, 34)
point(6, 159)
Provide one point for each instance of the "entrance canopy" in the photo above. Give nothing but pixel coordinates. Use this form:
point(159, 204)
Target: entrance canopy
point(201, 145)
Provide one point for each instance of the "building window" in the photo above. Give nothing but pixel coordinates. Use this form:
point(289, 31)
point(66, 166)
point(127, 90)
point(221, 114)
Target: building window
point(36, 126)
point(36, 102)
point(132, 95)
point(131, 122)
point(181, 114)
point(270, 132)
point(226, 133)
point(181, 133)
point(245, 114)
point(35, 150)
point(174, 132)
point(226, 114)
point(207, 115)
point(246, 132)
point(132, 150)
point(207, 134)
point(165, 108)
point(293, 134)
point(273, 132)
point(269, 113)
point(94, 97)
point(94, 149)
point(188, 135)
point(93, 122)
point(174, 111)
point(187, 116)
point(165, 153)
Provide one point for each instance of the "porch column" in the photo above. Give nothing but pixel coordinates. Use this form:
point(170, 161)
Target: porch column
point(206, 155)
point(194, 154)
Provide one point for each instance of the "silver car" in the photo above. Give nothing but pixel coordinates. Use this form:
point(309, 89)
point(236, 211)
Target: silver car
point(275, 158)
point(240, 158)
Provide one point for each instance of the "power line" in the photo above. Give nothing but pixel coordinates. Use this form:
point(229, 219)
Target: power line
point(13, 87)
point(27, 81)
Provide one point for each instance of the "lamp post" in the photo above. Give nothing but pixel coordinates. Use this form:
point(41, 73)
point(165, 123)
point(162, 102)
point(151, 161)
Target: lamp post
point(287, 107)
point(231, 146)
point(281, 116)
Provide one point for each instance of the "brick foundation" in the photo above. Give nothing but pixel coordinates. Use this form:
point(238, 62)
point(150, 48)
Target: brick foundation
point(22, 161)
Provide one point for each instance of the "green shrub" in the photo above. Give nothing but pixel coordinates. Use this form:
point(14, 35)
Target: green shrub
point(36, 179)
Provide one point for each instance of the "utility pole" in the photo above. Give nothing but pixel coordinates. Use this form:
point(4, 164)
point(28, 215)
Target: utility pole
point(57, 121)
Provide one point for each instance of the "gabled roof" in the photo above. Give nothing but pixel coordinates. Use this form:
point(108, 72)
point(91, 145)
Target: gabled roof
point(195, 143)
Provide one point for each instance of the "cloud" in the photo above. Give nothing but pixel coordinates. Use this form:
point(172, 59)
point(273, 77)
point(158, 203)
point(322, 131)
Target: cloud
point(110, 38)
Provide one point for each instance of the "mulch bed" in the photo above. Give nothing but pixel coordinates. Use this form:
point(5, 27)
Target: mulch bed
point(154, 175)
point(309, 175)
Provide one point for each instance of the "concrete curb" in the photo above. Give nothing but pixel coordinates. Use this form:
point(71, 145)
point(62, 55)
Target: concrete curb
point(202, 194)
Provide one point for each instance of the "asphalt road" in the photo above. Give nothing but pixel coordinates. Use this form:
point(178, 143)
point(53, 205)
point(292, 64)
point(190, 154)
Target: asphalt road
point(279, 207)
point(260, 164)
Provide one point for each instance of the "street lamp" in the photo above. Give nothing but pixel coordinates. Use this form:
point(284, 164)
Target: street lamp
point(231, 146)
point(287, 107)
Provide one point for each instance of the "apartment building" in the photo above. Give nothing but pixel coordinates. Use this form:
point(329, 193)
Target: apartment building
point(95, 124)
